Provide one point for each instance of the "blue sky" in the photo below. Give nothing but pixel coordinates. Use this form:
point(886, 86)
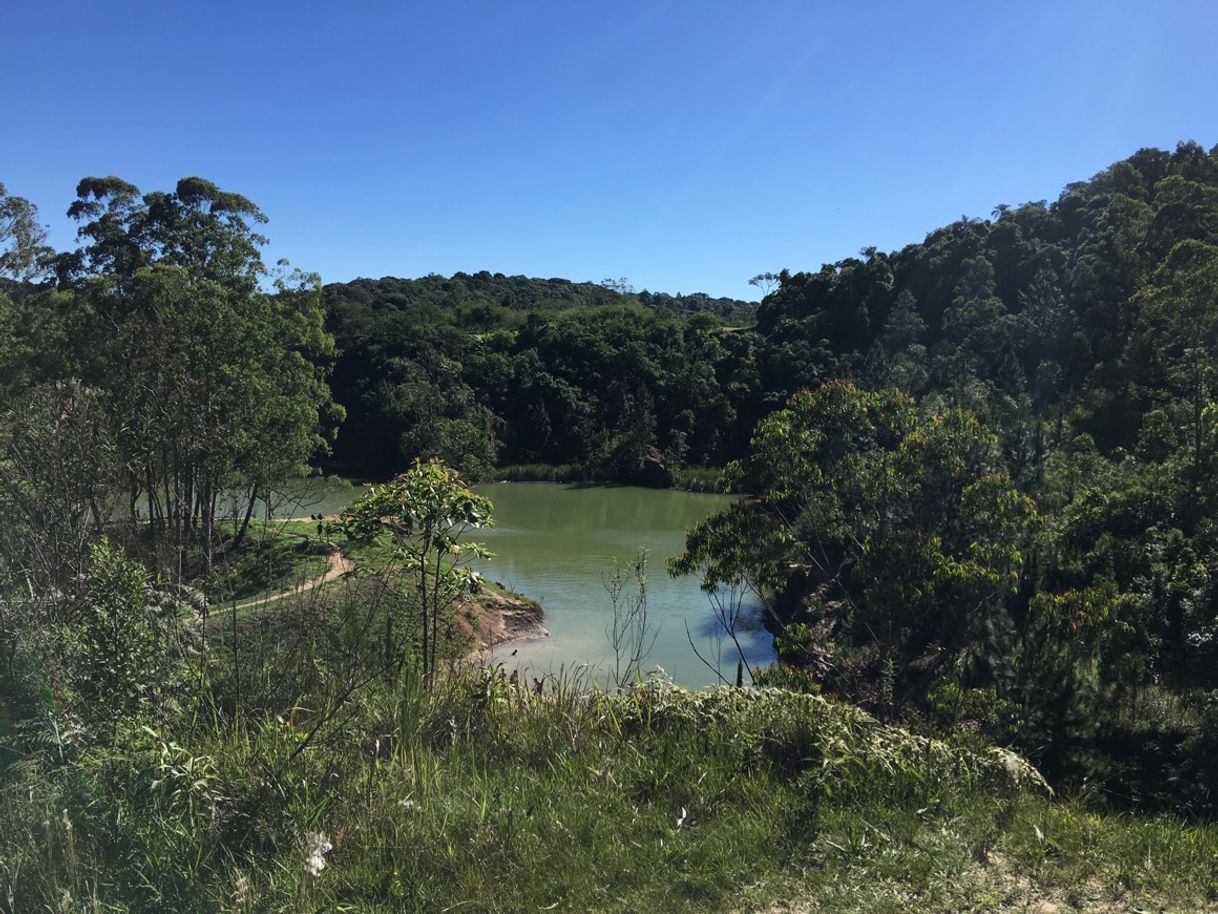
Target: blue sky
point(683, 145)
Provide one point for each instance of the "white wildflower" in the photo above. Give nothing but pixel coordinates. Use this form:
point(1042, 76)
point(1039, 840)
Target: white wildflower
point(318, 846)
point(241, 891)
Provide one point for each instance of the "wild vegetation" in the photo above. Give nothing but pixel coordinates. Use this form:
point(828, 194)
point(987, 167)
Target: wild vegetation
point(992, 509)
point(979, 477)
point(984, 462)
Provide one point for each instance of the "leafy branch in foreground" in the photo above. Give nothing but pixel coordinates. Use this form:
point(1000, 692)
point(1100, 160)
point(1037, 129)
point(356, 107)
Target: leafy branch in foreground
point(426, 511)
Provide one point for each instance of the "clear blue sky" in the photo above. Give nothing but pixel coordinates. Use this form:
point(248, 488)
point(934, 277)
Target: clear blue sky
point(684, 145)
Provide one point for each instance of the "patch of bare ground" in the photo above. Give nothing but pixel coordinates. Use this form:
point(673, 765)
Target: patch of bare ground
point(1022, 893)
point(1009, 891)
point(491, 618)
point(1012, 906)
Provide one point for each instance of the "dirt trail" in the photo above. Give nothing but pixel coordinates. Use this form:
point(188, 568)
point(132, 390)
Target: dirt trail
point(488, 619)
point(337, 565)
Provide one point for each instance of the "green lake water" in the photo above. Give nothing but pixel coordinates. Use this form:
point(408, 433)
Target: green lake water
point(554, 543)
point(303, 497)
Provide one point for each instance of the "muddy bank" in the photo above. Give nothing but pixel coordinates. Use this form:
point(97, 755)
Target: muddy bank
point(493, 617)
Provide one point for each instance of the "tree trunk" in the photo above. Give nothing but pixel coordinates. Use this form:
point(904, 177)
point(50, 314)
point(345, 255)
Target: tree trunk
point(245, 522)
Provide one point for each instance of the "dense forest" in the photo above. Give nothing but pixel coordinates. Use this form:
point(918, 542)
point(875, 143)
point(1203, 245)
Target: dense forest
point(979, 478)
point(994, 502)
point(1021, 540)
point(1044, 320)
point(489, 370)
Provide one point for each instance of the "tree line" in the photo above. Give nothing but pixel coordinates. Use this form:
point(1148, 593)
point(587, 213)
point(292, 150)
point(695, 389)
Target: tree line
point(485, 370)
point(981, 468)
point(988, 500)
point(151, 372)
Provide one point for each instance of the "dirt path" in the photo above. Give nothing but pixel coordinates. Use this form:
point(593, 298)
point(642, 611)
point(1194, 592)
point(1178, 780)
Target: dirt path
point(337, 565)
point(488, 620)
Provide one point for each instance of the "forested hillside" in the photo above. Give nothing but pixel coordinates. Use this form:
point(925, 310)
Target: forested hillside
point(489, 370)
point(994, 508)
point(1050, 321)
point(1019, 540)
point(980, 476)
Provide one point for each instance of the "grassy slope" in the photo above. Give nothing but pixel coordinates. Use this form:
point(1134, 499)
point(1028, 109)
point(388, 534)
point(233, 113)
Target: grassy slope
point(276, 556)
point(479, 798)
point(577, 804)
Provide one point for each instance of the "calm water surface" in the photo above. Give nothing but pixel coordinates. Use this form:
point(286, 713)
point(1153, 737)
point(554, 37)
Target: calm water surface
point(554, 543)
point(293, 498)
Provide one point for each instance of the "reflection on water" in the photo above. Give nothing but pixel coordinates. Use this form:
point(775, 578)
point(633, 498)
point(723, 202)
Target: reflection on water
point(555, 543)
point(293, 498)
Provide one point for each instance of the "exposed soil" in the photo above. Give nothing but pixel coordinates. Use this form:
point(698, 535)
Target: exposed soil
point(492, 618)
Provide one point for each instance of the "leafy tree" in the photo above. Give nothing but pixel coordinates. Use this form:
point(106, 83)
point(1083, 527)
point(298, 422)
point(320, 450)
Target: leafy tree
point(899, 530)
point(976, 331)
point(766, 282)
point(23, 252)
point(1179, 333)
point(213, 383)
point(898, 358)
point(426, 511)
point(433, 413)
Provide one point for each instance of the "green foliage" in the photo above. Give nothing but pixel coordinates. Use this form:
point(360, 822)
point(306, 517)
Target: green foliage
point(274, 557)
point(651, 800)
point(209, 383)
point(1081, 335)
point(106, 652)
point(624, 392)
point(57, 470)
point(22, 251)
point(439, 416)
point(427, 511)
point(901, 532)
point(1020, 544)
point(118, 638)
point(543, 472)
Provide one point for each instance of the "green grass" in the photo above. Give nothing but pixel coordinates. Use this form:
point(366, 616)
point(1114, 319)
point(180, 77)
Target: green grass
point(8, 736)
point(478, 797)
point(276, 556)
point(689, 478)
point(697, 479)
point(376, 556)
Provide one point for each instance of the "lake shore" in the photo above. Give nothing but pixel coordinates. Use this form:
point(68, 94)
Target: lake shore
point(496, 616)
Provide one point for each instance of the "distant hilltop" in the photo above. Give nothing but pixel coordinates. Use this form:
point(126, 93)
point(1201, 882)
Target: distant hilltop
point(486, 301)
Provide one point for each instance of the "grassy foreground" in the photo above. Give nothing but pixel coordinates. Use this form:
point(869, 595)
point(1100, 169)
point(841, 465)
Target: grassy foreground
point(480, 797)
